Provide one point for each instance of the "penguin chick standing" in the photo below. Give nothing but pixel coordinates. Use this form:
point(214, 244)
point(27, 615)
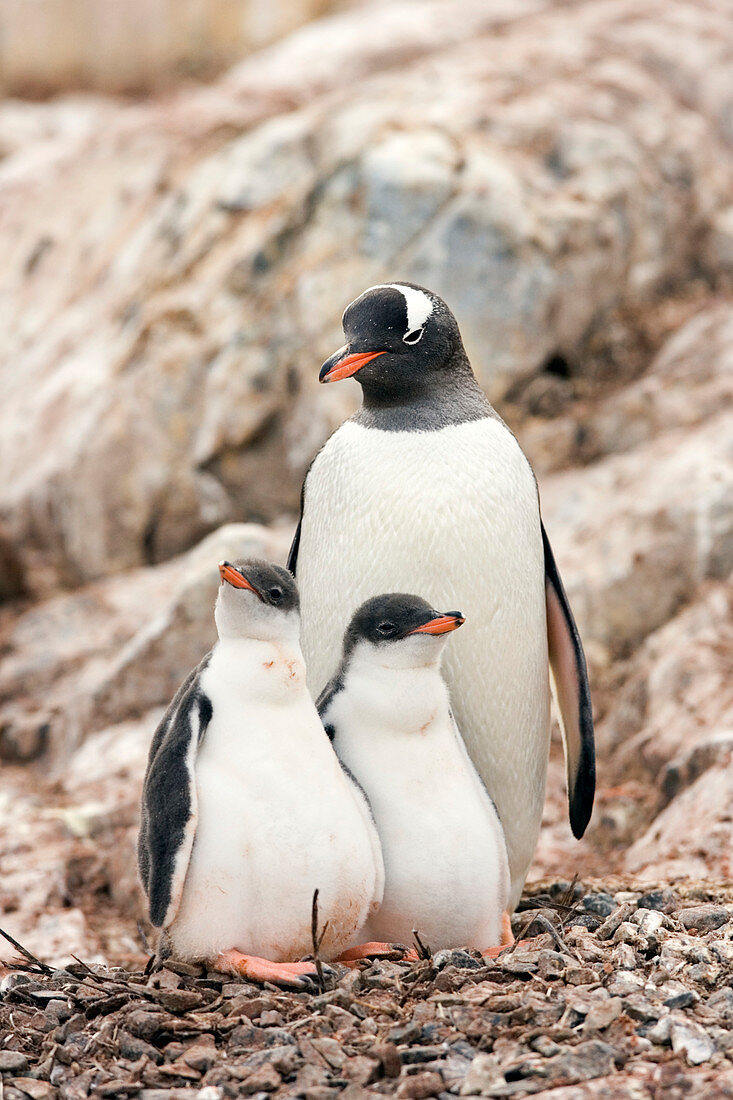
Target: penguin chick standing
point(246, 809)
point(426, 489)
point(388, 713)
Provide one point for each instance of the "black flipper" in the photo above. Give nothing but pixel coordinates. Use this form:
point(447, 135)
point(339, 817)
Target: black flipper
point(295, 544)
point(292, 562)
point(169, 807)
point(570, 674)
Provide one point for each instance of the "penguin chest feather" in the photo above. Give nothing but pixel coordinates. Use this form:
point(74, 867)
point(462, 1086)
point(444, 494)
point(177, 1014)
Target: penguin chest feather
point(277, 819)
point(453, 516)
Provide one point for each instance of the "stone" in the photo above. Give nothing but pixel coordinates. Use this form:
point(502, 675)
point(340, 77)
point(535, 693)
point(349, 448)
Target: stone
point(703, 918)
point(692, 1040)
point(599, 905)
point(460, 959)
point(663, 901)
point(265, 1079)
point(588, 1059)
point(13, 1061)
point(483, 1075)
point(601, 1014)
point(132, 1047)
point(201, 1056)
point(420, 1085)
point(602, 1088)
point(650, 922)
point(389, 1058)
point(613, 922)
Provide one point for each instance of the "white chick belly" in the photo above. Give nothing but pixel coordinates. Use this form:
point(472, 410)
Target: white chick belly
point(276, 820)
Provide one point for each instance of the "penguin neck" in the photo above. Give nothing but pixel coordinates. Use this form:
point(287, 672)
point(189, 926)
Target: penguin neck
point(450, 396)
point(269, 670)
point(398, 699)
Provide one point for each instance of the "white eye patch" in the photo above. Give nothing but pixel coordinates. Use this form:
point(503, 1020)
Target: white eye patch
point(419, 307)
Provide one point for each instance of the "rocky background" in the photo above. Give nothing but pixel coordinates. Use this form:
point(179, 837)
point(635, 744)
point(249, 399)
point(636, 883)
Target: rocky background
point(174, 271)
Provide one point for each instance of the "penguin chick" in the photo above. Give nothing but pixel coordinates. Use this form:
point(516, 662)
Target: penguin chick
point(246, 810)
point(388, 713)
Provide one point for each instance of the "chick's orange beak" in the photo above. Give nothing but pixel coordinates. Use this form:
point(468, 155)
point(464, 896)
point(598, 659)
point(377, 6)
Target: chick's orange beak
point(441, 625)
point(344, 368)
point(232, 576)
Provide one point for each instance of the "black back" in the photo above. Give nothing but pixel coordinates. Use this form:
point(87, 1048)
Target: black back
point(168, 798)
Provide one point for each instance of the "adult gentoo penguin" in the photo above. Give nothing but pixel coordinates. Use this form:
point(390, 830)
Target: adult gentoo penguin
point(246, 809)
point(388, 713)
point(426, 489)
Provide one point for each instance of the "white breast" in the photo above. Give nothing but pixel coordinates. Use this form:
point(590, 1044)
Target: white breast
point(277, 819)
point(446, 870)
point(453, 517)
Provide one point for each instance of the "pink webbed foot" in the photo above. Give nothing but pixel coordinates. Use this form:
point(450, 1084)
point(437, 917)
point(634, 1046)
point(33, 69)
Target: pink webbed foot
point(296, 975)
point(373, 950)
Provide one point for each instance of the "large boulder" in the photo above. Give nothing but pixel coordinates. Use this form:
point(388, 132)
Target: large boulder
point(174, 273)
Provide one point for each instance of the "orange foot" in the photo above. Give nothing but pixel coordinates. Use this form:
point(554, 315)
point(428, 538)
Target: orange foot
point(507, 938)
point(373, 950)
point(297, 975)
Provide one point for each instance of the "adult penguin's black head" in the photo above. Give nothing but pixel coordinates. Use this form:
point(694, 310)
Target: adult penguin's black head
point(400, 340)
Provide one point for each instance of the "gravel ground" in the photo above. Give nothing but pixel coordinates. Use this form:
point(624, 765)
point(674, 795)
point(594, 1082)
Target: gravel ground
point(618, 995)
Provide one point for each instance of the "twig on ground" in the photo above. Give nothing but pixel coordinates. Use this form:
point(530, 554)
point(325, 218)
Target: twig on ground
point(26, 953)
point(423, 951)
point(317, 941)
point(86, 966)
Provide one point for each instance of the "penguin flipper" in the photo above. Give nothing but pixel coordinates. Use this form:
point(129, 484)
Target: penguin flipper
point(572, 691)
point(292, 561)
point(169, 803)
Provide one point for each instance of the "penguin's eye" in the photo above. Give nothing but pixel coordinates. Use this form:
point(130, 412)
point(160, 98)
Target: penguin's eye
point(275, 594)
point(385, 629)
point(413, 337)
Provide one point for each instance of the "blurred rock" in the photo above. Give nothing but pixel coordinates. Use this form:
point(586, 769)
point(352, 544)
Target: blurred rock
point(50, 46)
point(12, 579)
point(175, 272)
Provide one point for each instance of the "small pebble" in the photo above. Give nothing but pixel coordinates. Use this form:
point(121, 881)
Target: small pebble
point(599, 905)
point(13, 1061)
point(682, 1000)
point(692, 1040)
point(389, 1058)
point(460, 959)
point(703, 918)
point(619, 915)
point(420, 1085)
point(665, 901)
point(603, 1013)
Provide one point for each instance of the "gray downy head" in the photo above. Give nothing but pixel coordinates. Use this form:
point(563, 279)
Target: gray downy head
point(399, 630)
point(404, 347)
point(256, 600)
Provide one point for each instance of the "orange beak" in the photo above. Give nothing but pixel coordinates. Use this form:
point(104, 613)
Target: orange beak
point(348, 366)
point(232, 576)
point(441, 625)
